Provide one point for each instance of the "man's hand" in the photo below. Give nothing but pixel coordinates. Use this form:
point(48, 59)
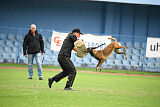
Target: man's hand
point(25, 56)
point(75, 49)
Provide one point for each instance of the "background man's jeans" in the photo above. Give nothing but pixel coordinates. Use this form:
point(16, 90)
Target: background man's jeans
point(37, 57)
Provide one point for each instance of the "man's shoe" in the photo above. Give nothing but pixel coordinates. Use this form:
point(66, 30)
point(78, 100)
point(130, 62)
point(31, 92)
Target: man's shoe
point(50, 81)
point(68, 88)
point(29, 78)
point(41, 78)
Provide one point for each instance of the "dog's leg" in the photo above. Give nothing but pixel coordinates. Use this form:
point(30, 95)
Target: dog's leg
point(118, 52)
point(97, 65)
point(101, 64)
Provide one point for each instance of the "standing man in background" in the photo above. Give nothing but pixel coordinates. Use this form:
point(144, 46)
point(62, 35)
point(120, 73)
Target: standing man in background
point(64, 60)
point(34, 45)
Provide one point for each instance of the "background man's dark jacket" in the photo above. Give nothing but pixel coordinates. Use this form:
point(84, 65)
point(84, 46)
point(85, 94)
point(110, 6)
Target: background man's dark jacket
point(33, 44)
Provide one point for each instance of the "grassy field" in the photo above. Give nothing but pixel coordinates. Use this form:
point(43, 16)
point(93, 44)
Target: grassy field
point(92, 90)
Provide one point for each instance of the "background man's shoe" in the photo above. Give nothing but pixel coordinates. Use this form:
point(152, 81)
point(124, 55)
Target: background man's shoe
point(29, 78)
point(41, 78)
point(68, 88)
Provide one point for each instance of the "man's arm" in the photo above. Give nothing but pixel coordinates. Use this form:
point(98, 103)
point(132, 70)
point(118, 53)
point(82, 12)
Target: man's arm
point(42, 44)
point(25, 44)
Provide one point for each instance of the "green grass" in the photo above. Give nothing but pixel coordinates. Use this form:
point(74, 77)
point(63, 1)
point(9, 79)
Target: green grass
point(92, 90)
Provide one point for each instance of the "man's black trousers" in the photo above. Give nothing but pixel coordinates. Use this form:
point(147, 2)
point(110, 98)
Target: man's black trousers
point(68, 70)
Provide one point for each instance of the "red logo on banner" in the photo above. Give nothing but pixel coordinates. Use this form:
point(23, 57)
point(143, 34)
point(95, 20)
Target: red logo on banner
point(57, 41)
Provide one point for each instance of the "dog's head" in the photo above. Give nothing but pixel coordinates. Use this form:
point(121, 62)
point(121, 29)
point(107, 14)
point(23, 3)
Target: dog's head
point(92, 52)
point(88, 50)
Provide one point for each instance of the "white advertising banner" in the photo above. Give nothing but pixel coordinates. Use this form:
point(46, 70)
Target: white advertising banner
point(89, 39)
point(153, 47)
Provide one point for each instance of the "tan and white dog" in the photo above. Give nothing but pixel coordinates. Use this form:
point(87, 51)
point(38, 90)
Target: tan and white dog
point(103, 54)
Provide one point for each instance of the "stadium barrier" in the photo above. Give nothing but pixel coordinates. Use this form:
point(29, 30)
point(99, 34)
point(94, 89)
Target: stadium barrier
point(11, 51)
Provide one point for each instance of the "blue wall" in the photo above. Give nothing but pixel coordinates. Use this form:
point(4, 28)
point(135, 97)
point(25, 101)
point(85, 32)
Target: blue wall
point(100, 18)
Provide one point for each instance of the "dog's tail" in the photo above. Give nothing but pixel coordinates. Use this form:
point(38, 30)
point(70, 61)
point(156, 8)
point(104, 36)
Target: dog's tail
point(113, 39)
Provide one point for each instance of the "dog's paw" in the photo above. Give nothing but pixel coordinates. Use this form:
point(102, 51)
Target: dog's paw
point(96, 69)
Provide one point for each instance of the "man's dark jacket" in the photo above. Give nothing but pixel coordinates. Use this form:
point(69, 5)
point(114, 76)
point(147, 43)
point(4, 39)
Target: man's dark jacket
point(68, 45)
point(33, 44)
